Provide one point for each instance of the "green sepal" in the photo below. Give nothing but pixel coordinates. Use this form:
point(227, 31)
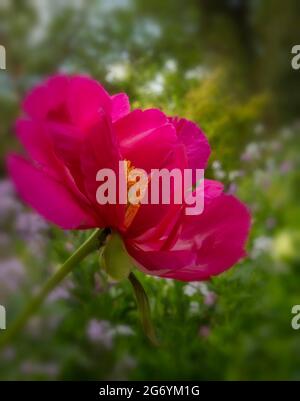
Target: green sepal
point(144, 308)
point(114, 259)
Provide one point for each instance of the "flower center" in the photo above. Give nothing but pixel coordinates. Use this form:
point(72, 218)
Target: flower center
point(132, 209)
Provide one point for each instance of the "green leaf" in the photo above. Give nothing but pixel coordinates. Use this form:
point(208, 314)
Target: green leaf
point(144, 308)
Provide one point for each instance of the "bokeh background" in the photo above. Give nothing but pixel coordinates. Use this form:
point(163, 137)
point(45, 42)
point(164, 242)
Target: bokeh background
point(226, 65)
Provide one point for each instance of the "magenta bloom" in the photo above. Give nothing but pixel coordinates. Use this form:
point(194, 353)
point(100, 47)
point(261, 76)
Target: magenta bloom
point(73, 128)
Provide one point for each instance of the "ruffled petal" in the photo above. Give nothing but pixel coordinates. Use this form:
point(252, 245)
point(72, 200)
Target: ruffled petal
point(216, 238)
point(212, 189)
point(120, 106)
point(158, 263)
point(153, 221)
point(38, 145)
point(54, 149)
point(148, 133)
point(100, 151)
point(75, 99)
point(195, 141)
point(86, 97)
point(136, 124)
point(153, 150)
point(50, 95)
point(206, 245)
point(48, 196)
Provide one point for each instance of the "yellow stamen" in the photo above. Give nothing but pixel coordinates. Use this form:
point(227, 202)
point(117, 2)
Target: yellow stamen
point(131, 210)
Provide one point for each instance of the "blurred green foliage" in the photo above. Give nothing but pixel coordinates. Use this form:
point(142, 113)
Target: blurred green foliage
point(226, 65)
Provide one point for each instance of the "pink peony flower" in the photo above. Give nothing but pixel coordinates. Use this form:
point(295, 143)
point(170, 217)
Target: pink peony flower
point(72, 128)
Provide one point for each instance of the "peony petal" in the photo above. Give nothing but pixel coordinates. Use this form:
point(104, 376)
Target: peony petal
point(153, 222)
point(100, 151)
point(67, 141)
point(35, 140)
point(49, 197)
point(47, 96)
point(83, 95)
point(212, 189)
point(145, 132)
point(120, 106)
point(216, 238)
point(157, 144)
point(207, 244)
point(195, 141)
point(158, 263)
point(38, 142)
point(136, 125)
point(86, 97)
point(167, 228)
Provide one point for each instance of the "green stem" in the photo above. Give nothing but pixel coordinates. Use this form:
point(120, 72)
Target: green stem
point(94, 242)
